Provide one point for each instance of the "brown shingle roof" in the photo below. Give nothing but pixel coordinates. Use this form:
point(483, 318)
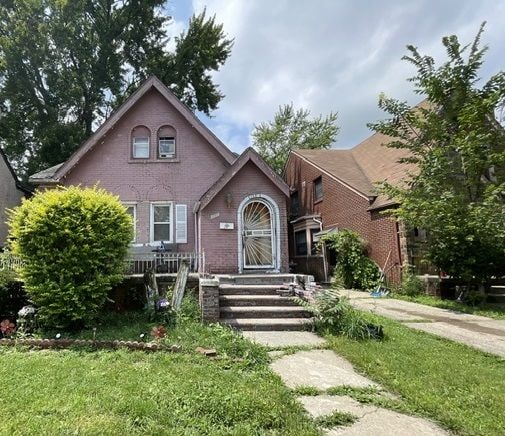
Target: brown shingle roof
point(363, 166)
point(342, 165)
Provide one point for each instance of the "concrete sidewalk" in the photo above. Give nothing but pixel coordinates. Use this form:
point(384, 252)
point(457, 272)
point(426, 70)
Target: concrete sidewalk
point(323, 369)
point(480, 332)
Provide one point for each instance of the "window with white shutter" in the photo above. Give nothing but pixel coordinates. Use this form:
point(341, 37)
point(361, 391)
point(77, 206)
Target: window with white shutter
point(181, 224)
point(161, 222)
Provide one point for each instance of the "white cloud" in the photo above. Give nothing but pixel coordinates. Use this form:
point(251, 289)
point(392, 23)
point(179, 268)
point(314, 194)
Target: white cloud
point(334, 56)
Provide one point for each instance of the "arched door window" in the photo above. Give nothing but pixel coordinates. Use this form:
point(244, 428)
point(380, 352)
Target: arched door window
point(257, 234)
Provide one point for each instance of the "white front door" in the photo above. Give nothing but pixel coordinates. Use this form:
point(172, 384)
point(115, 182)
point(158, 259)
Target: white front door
point(258, 242)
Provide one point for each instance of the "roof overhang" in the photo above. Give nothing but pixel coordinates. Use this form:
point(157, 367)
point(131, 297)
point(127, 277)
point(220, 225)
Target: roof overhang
point(249, 155)
point(151, 83)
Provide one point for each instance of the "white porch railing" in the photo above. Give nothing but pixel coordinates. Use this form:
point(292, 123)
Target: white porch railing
point(164, 262)
point(135, 263)
point(9, 262)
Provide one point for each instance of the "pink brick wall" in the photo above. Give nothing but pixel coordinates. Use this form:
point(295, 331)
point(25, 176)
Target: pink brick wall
point(343, 208)
point(184, 180)
point(221, 246)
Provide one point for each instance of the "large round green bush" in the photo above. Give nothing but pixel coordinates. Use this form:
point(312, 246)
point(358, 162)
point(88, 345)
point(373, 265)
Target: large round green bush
point(73, 243)
point(354, 269)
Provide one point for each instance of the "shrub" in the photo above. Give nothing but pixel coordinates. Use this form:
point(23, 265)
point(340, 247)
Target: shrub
point(73, 243)
point(411, 284)
point(12, 295)
point(354, 268)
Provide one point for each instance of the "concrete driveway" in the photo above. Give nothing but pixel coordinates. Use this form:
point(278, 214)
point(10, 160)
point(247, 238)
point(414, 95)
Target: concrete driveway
point(483, 333)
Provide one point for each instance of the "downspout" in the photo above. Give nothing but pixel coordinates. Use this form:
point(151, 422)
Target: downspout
point(325, 265)
point(196, 215)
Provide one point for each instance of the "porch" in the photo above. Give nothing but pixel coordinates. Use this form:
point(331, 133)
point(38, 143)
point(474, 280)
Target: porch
point(164, 262)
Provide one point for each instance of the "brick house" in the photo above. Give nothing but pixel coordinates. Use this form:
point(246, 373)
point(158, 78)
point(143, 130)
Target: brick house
point(334, 189)
point(183, 187)
point(11, 193)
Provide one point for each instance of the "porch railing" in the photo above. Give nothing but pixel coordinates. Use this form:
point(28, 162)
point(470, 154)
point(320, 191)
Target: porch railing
point(9, 262)
point(164, 262)
point(135, 263)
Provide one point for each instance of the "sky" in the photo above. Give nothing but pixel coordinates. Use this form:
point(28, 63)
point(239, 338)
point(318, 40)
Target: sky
point(331, 55)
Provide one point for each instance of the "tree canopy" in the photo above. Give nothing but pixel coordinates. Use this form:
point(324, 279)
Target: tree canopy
point(65, 65)
point(292, 129)
point(458, 147)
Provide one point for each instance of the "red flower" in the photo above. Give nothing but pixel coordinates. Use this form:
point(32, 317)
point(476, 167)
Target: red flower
point(7, 328)
point(158, 332)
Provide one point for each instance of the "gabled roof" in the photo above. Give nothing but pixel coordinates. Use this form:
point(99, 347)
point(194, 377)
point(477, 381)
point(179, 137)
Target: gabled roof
point(249, 155)
point(19, 185)
point(54, 174)
point(341, 165)
point(362, 167)
point(45, 176)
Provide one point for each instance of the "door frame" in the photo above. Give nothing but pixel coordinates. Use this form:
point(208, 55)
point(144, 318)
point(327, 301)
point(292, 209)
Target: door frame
point(276, 234)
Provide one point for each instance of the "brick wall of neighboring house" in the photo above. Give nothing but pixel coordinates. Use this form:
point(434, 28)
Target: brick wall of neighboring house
point(221, 246)
point(182, 180)
point(10, 196)
point(344, 208)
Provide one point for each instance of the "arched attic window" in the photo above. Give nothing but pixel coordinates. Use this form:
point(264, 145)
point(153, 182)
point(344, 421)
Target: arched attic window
point(140, 142)
point(166, 142)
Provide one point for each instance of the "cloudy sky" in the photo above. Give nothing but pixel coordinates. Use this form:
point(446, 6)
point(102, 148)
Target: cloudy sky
point(331, 55)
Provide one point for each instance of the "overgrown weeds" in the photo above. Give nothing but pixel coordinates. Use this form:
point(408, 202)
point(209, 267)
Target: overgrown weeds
point(335, 315)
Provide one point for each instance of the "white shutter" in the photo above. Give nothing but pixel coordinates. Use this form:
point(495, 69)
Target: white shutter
point(181, 224)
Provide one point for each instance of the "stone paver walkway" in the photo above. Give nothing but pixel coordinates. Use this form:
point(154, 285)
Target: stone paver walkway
point(285, 339)
point(372, 420)
point(323, 369)
point(480, 332)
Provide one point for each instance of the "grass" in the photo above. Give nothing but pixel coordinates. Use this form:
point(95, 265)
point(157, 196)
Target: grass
point(310, 391)
point(335, 419)
point(489, 310)
point(129, 392)
point(458, 386)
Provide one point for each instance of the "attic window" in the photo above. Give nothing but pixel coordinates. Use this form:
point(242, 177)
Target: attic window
point(166, 142)
point(166, 146)
point(140, 143)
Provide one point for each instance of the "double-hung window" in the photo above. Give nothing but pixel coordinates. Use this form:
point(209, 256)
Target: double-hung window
point(161, 222)
point(318, 189)
point(301, 243)
point(141, 147)
point(131, 209)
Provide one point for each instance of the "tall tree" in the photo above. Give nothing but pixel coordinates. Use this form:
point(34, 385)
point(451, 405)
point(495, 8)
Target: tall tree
point(458, 146)
point(65, 64)
point(292, 129)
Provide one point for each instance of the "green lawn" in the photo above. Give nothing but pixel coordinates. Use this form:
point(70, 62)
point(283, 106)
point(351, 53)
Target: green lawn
point(460, 387)
point(489, 310)
point(124, 392)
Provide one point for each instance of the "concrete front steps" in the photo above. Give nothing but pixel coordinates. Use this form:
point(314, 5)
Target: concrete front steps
point(251, 302)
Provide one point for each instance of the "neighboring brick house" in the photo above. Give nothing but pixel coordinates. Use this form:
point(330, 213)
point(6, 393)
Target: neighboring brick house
point(334, 189)
point(182, 185)
point(11, 193)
